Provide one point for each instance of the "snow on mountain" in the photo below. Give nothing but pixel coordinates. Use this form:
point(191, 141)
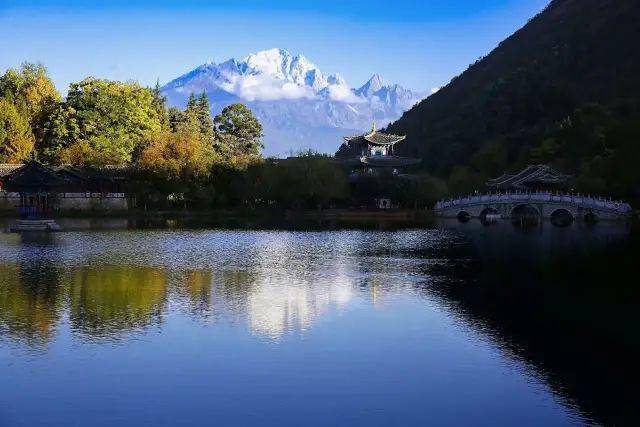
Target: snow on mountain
point(298, 106)
point(371, 87)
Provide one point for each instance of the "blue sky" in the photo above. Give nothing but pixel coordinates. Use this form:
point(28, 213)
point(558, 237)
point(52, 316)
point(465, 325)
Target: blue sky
point(419, 44)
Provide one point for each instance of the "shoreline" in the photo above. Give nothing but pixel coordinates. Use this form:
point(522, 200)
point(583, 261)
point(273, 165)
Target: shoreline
point(395, 214)
point(268, 219)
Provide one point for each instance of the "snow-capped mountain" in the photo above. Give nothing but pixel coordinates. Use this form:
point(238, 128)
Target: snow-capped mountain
point(298, 105)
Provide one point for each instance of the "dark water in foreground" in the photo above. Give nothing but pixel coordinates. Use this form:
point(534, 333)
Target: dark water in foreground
point(459, 325)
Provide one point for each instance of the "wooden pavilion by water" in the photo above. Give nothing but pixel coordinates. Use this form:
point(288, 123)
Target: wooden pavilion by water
point(36, 185)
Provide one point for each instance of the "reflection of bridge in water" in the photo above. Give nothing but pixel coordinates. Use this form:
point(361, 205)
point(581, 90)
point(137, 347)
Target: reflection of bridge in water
point(546, 205)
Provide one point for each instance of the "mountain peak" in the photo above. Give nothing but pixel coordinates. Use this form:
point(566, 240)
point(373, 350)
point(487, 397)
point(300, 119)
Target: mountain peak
point(279, 64)
point(336, 80)
point(298, 105)
point(376, 80)
point(372, 86)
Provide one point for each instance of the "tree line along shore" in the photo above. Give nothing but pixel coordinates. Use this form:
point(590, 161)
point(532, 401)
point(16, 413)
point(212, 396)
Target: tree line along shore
point(189, 160)
point(180, 159)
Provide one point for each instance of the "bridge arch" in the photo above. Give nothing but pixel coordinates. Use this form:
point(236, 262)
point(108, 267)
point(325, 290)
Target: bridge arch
point(591, 218)
point(463, 216)
point(489, 215)
point(525, 215)
point(562, 217)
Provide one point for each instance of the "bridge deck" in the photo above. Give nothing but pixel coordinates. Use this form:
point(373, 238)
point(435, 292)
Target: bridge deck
point(570, 200)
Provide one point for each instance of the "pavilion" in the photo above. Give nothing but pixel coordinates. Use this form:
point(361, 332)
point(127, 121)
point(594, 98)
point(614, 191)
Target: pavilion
point(35, 183)
point(371, 156)
point(37, 191)
point(375, 151)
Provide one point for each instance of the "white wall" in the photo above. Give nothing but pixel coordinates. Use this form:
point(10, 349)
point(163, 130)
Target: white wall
point(74, 201)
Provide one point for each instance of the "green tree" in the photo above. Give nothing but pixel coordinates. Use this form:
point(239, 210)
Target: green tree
point(464, 180)
point(62, 130)
point(309, 180)
point(190, 118)
point(176, 118)
point(204, 119)
point(160, 104)
point(107, 120)
point(238, 131)
point(192, 103)
point(491, 158)
point(16, 138)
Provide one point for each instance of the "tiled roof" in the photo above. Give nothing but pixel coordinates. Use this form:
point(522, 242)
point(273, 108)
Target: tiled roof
point(7, 168)
point(531, 174)
point(32, 176)
point(376, 138)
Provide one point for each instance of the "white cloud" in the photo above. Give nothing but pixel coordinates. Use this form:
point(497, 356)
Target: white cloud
point(264, 87)
point(434, 90)
point(376, 103)
point(261, 87)
point(343, 93)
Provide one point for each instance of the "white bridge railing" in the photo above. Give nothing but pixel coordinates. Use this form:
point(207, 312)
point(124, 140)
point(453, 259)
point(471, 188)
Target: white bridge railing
point(578, 200)
point(87, 195)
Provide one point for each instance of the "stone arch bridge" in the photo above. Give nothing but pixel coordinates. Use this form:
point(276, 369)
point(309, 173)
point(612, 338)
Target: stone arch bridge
point(545, 205)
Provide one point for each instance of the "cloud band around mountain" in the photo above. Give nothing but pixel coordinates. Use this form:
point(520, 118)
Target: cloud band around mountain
point(262, 87)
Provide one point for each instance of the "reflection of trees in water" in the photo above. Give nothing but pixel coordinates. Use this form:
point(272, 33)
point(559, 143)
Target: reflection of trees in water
point(106, 301)
point(111, 299)
point(193, 288)
point(233, 288)
point(198, 285)
point(30, 300)
point(563, 302)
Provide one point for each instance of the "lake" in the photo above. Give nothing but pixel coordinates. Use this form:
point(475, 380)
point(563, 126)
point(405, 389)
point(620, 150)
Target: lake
point(455, 324)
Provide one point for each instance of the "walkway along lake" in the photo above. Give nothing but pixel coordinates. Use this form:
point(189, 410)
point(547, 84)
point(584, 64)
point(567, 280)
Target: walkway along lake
point(458, 324)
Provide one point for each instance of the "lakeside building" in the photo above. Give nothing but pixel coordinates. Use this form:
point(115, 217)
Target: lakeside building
point(371, 157)
point(37, 190)
point(373, 152)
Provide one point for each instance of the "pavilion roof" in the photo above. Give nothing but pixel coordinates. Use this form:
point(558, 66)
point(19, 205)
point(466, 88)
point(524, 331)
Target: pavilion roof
point(7, 168)
point(532, 174)
point(32, 176)
point(376, 138)
point(90, 173)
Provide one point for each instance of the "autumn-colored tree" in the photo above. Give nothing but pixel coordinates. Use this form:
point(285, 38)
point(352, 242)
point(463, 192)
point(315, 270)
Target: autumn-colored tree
point(33, 94)
point(175, 164)
point(16, 138)
point(98, 150)
point(177, 154)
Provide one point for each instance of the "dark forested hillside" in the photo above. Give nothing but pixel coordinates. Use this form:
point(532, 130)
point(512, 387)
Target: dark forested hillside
point(564, 89)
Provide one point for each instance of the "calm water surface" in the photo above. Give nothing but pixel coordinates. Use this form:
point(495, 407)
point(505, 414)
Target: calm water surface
point(455, 325)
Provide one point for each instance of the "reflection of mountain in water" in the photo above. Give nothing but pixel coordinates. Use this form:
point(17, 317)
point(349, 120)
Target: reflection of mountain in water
point(278, 306)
